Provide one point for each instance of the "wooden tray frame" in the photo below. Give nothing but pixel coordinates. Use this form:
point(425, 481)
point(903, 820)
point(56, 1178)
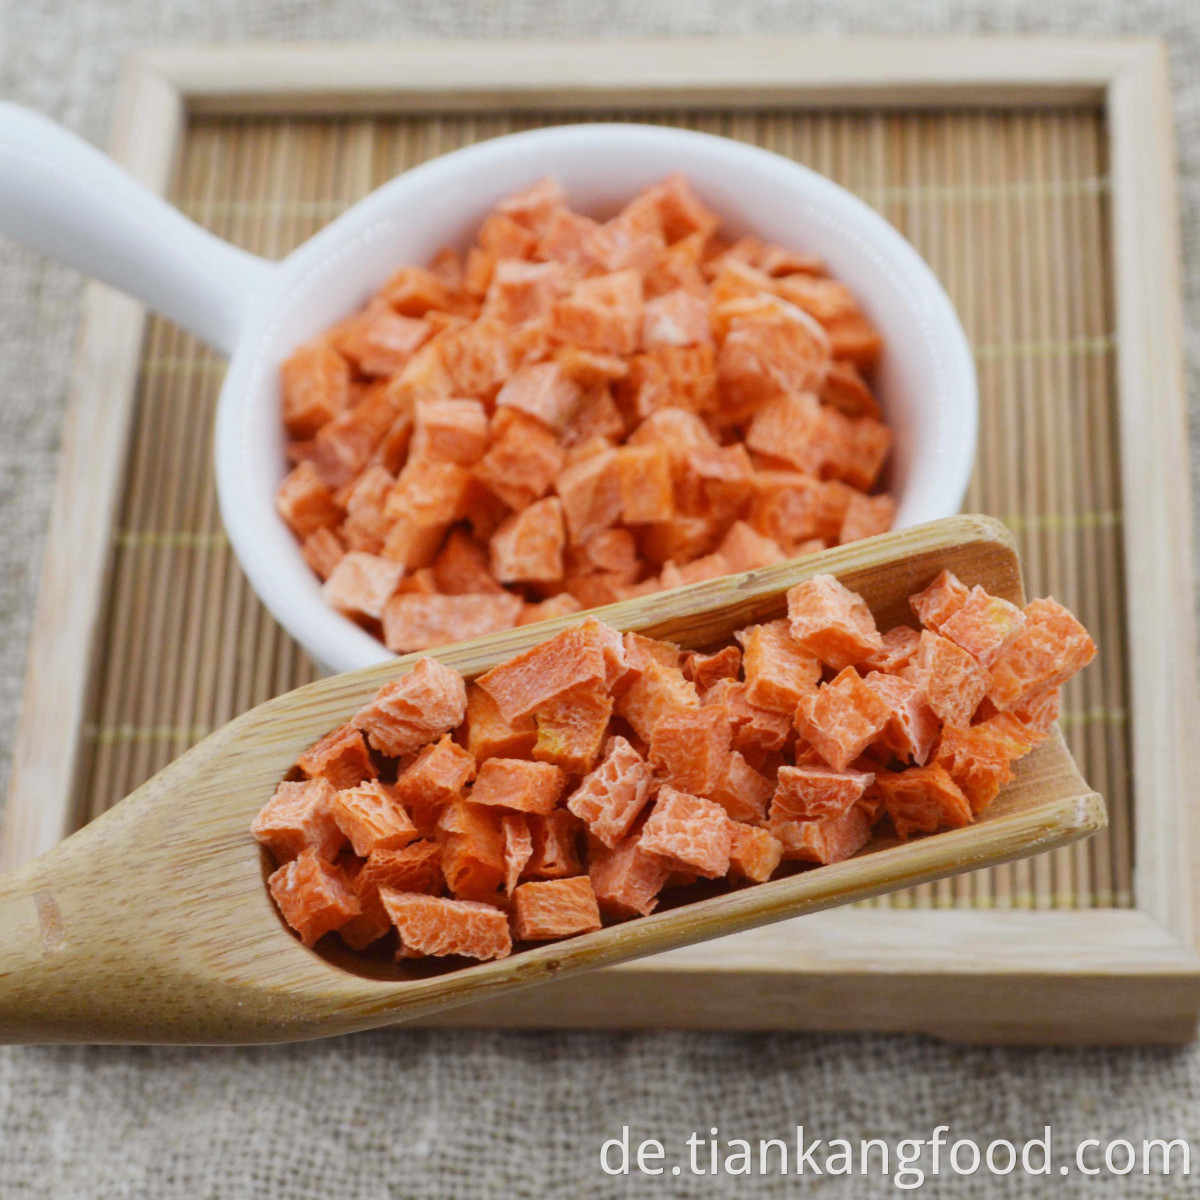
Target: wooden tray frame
point(1098, 975)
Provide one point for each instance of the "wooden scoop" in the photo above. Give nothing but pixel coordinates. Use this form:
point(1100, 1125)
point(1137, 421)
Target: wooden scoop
point(153, 923)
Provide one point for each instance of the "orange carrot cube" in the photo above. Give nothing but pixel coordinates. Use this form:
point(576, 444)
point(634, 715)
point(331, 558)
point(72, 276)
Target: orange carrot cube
point(472, 837)
point(450, 430)
point(611, 796)
point(518, 848)
point(323, 551)
point(953, 682)
point(846, 390)
point(561, 605)
point(899, 645)
point(779, 669)
point(792, 508)
point(939, 601)
point(912, 726)
point(346, 444)
point(755, 729)
point(626, 879)
point(436, 776)
point(502, 237)
point(977, 760)
point(520, 291)
point(371, 818)
point(645, 482)
point(689, 830)
point(305, 503)
point(429, 492)
point(603, 313)
point(437, 926)
point(676, 318)
point(462, 567)
point(591, 495)
point(341, 756)
point(313, 895)
point(572, 727)
point(754, 853)
point(413, 291)
point(379, 341)
point(415, 622)
point(853, 337)
point(983, 625)
point(657, 692)
point(745, 549)
point(528, 546)
point(816, 793)
point(543, 391)
point(922, 800)
point(1050, 648)
point(690, 749)
point(413, 868)
point(842, 718)
point(555, 839)
point(555, 908)
point(790, 428)
point(316, 387)
point(832, 622)
point(830, 840)
point(866, 516)
point(521, 463)
point(518, 784)
point(361, 584)
point(705, 669)
point(411, 544)
point(743, 792)
point(299, 817)
point(420, 706)
point(489, 735)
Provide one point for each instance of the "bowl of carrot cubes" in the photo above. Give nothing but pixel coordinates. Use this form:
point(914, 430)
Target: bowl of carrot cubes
point(576, 366)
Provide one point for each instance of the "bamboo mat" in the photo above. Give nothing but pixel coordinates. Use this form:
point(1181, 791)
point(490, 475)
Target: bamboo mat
point(1010, 210)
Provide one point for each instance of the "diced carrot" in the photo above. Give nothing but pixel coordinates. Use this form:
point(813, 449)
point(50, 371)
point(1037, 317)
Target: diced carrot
point(305, 502)
point(832, 622)
point(561, 605)
point(489, 735)
point(816, 793)
point(626, 878)
point(420, 706)
point(705, 669)
point(341, 757)
point(414, 868)
point(543, 391)
point(646, 484)
point(436, 776)
point(371, 818)
point(611, 796)
point(555, 845)
point(429, 491)
point(866, 516)
point(313, 895)
point(790, 428)
point(518, 848)
point(743, 792)
point(754, 728)
point(830, 840)
point(462, 567)
point(658, 691)
point(688, 830)
point(472, 837)
point(846, 390)
point(977, 760)
point(912, 726)
point(603, 313)
point(939, 601)
point(518, 784)
point(842, 718)
point(437, 926)
point(299, 817)
point(316, 387)
point(379, 341)
point(690, 749)
point(521, 464)
point(591, 495)
point(754, 853)
point(899, 645)
point(450, 430)
point(779, 669)
point(555, 908)
point(793, 508)
point(361, 584)
point(323, 550)
point(413, 291)
point(415, 622)
point(572, 727)
point(953, 682)
point(528, 546)
point(922, 799)
point(745, 549)
point(1050, 648)
point(677, 318)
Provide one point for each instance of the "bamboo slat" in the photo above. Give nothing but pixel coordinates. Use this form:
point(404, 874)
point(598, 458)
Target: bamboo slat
point(1010, 208)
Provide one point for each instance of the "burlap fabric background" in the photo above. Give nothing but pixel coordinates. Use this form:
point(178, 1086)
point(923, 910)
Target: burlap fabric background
point(462, 1114)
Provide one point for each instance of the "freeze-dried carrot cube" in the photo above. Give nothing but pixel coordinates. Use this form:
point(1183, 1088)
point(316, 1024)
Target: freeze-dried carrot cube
point(429, 491)
point(518, 848)
point(590, 369)
point(676, 429)
point(543, 391)
point(754, 853)
point(953, 682)
point(361, 584)
point(983, 625)
point(528, 546)
point(323, 550)
point(521, 291)
point(555, 845)
point(533, 206)
point(672, 377)
point(779, 669)
point(754, 728)
point(678, 540)
point(832, 622)
point(518, 784)
point(977, 760)
point(413, 291)
point(658, 691)
point(680, 211)
point(912, 726)
point(689, 830)
point(743, 792)
point(414, 622)
point(555, 908)
point(591, 495)
point(564, 236)
point(421, 705)
point(640, 651)
point(371, 818)
point(502, 237)
point(842, 718)
point(939, 601)
point(313, 895)
point(571, 728)
point(437, 926)
point(450, 430)
point(379, 341)
point(462, 567)
point(857, 448)
point(779, 260)
point(316, 387)
point(603, 313)
point(521, 464)
point(606, 550)
point(299, 817)
point(1039, 713)
point(1050, 648)
point(853, 337)
point(866, 516)
point(412, 545)
point(413, 868)
point(346, 444)
point(561, 605)
point(922, 799)
point(646, 485)
point(690, 749)
point(304, 501)
point(816, 793)
point(478, 358)
point(745, 549)
point(611, 796)
point(489, 735)
point(716, 482)
point(626, 878)
point(472, 837)
point(391, 451)
point(677, 318)
point(572, 659)
point(632, 240)
point(341, 756)
point(435, 777)
point(790, 428)
point(793, 508)
point(846, 390)
point(596, 422)
point(821, 297)
point(448, 267)
point(831, 840)
point(705, 669)
point(899, 645)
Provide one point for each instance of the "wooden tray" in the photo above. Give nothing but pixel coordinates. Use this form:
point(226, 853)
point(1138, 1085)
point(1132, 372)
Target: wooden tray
point(1037, 178)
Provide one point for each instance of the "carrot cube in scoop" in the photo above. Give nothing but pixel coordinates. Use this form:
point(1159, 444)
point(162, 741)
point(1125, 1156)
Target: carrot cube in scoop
point(657, 692)
point(372, 819)
point(690, 831)
point(912, 725)
point(313, 895)
point(489, 735)
point(977, 760)
point(743, 792)
point(832, 622)
point(572, 727)
point(627, 879)
point(555, 839)
point(436, 926)
point(829, 840)
point(414, 709)
point(1050, 648)
point(518, 848)
point(472, 837)
point(690, 748)
point(435, 777)
point(939, 601)
point(413, 868)
point(754, 853)
point(899, 645)
point(841, 718)
point(517, 784)
point(983, 625)
point(611, 797)
point(951, 679)
point(779, 670)
point(922, 799)
point(816, 793)
point(299, 817)
point(340, 756)
point(555, 908)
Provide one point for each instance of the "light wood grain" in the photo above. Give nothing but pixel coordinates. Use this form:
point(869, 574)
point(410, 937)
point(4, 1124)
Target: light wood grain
point(153, 922)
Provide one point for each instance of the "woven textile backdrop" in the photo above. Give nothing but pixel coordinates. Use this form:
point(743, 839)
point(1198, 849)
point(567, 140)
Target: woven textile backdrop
point(464, 1114)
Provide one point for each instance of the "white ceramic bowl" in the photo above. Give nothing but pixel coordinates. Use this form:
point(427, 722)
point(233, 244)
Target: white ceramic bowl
point(261, 311)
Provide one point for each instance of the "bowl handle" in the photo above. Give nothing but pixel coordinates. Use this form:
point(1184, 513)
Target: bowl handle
point(60, 195)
